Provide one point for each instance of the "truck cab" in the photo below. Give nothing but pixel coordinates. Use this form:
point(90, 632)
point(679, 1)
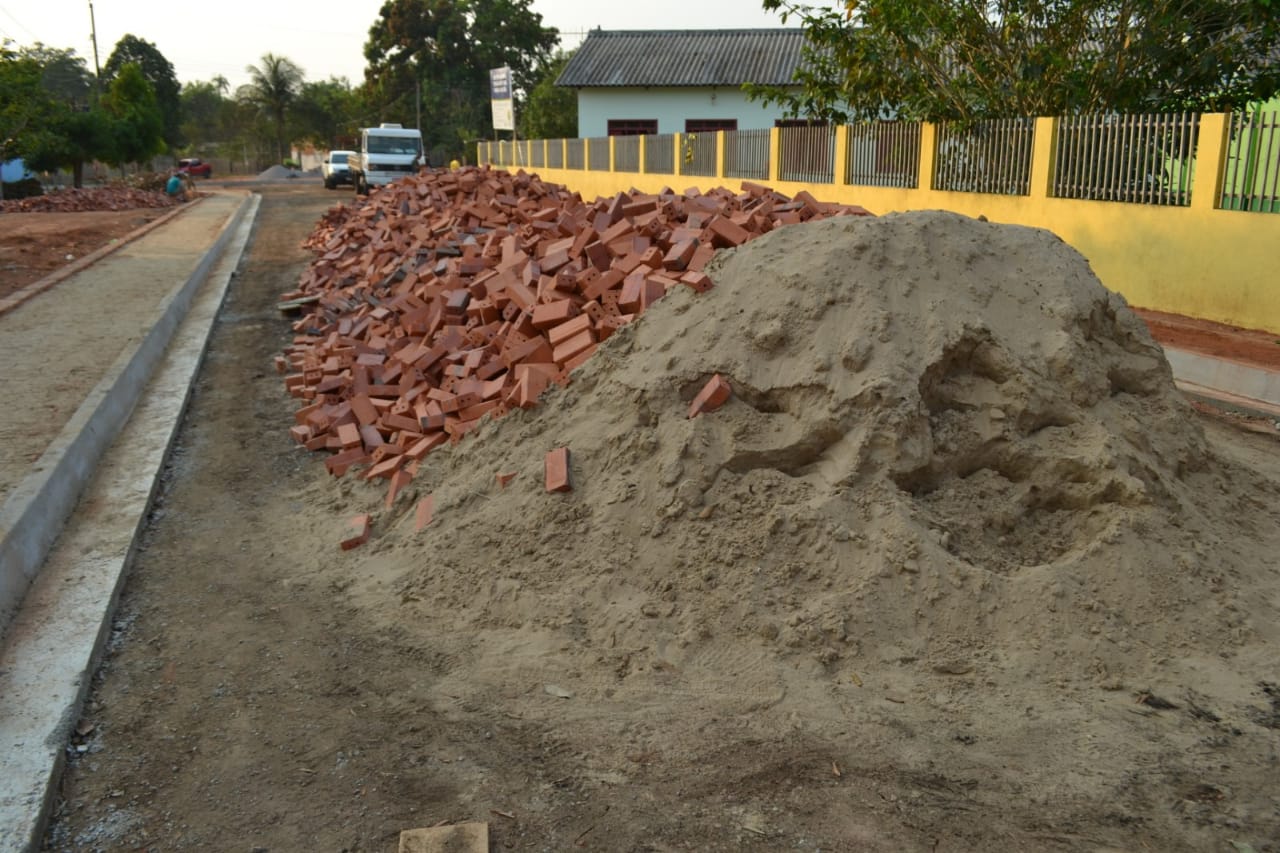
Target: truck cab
point(387, 153)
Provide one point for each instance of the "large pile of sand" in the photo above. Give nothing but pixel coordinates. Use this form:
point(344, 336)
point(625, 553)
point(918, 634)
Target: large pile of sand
point(954, 471)
point(932, 415)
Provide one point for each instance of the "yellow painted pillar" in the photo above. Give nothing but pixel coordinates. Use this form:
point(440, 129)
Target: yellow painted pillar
point(928, 154)
point(1211, 151)
point(720, 142)
point(775, 153)
point(678, 144)
point(644, 147)
point(1042, 154)
point(613, 156)
point(841, 155)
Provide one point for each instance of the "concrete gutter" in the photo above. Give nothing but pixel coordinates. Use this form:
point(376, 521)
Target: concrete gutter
point(56, 641)
point(1243, 386)
point(37, 508)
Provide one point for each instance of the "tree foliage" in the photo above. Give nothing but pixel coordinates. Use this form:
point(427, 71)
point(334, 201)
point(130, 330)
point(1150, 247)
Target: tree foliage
point(970, 59)
point(449, 46)
point(158, 72)
point(137, 124)
point(273, 87)
point(24, 103)
point(550, 111)
point(327, 113)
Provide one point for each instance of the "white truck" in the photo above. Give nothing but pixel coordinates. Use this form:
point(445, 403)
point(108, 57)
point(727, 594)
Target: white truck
point(387, 153)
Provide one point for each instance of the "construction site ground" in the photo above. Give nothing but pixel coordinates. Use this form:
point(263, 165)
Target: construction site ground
point(250, 699)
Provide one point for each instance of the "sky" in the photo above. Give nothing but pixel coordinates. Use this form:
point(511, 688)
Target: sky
point(325, 38)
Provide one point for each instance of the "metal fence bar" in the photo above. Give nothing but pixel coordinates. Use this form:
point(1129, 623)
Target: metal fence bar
point(537, 154)
point(746, 154)
point(555, 153)
point(660, 154)
point(698, 154)
point(807, 154)
point(574, 154)
point(1138, 159)
point(986, 157)
point(1251, 167)
point(598, 149)
point(626, 153)
point(883, 154)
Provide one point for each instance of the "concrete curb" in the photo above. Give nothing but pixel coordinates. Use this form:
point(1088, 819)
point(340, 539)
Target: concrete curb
point(57, 639)
point(13, 300)
point(35, 511)
point(1240, 384)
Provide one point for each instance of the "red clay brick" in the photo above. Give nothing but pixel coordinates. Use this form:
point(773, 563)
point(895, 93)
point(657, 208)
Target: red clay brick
point(357, 531)
point(557, 470)
point(712, 396)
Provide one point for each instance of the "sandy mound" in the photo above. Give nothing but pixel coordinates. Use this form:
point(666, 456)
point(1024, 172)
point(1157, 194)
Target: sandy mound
point(277, 173)
point(921, 401)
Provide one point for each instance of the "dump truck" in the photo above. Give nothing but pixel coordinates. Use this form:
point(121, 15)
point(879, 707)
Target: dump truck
point(387, 152)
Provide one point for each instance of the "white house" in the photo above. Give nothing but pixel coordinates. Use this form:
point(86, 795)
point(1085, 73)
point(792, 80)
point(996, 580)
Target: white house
point(678, 81)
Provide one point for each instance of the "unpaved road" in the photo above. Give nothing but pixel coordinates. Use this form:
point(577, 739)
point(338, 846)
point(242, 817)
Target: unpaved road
point(248, 703)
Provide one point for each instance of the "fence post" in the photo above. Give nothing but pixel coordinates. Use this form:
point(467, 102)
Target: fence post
point(775, 154)
point(644, 152)
point(677, 144)
point(720, 158)
point(613, 157)
point(1211, 151)
point(928, 155)
point(839, 173)
point(1042, 148)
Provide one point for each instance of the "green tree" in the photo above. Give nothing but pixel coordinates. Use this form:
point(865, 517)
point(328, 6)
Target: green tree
point(551, 111)
point(137, 125)
point(76, 137)
point(325, 112)
point(158, 71)
point(64, 75)
point(969, 59)
point(25, 105)
point(273, 87)
point(448, 47)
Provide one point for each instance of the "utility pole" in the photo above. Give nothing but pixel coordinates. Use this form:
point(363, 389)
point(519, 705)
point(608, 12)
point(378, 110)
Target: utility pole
point(93, 36)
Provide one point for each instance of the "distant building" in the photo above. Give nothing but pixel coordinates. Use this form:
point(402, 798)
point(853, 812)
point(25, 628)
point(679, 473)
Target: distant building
point(679, 81)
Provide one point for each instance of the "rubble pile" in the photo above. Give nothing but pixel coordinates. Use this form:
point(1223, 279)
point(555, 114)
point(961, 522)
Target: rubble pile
point(455, 295)
point(88, 199)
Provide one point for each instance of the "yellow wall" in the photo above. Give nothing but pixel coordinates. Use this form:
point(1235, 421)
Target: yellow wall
point(1198, 261)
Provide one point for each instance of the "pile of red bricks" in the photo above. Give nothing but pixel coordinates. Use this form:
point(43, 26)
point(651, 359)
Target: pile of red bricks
point(82, 200)
point(455, 295)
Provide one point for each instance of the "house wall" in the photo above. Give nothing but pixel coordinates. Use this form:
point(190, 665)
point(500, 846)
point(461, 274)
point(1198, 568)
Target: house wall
point(670, 107)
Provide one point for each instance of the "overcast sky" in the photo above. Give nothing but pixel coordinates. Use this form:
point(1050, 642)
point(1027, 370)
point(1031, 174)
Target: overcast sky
point(203, 39)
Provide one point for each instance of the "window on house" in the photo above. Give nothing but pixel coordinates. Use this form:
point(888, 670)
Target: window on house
point(632, 126)
point(709, 125)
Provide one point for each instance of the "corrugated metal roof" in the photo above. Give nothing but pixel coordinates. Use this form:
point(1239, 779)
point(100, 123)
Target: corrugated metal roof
point(684, 58)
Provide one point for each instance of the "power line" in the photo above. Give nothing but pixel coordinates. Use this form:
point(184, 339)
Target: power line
point(20, 24)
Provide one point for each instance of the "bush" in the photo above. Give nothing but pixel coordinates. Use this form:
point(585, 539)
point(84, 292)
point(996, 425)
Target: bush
point(26, 188)
point(292, 164)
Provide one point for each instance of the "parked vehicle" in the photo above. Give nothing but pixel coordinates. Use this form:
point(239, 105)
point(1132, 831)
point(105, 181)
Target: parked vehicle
point(195, 167)
point(387, 152)
point(335, 170)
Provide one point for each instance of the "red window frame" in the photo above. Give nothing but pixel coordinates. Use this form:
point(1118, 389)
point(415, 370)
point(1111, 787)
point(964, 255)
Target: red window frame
point(632, 126)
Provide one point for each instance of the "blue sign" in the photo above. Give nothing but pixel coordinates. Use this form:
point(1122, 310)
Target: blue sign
point(500, 84)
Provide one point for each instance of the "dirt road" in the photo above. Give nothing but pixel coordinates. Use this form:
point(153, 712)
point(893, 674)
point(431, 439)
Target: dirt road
point(259, 695)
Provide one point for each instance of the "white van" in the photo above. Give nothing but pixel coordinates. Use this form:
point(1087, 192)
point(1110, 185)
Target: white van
point(387, 153)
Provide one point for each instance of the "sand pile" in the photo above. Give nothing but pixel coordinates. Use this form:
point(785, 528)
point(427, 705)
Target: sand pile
point(946, 436)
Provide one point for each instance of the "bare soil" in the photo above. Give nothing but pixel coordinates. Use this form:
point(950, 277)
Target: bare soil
point(266, 691)
point(33, 245)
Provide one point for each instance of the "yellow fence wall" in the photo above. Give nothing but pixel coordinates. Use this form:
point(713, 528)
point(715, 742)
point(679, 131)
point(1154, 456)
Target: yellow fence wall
point(1218, 265)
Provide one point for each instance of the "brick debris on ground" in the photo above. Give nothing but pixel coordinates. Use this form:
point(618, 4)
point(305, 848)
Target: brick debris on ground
point(452, 296)
point(84, 200)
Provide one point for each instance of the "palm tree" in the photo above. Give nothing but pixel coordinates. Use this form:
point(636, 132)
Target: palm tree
point(273, 86)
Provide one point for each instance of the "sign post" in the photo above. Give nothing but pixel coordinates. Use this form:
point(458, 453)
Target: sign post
point(502, 101)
